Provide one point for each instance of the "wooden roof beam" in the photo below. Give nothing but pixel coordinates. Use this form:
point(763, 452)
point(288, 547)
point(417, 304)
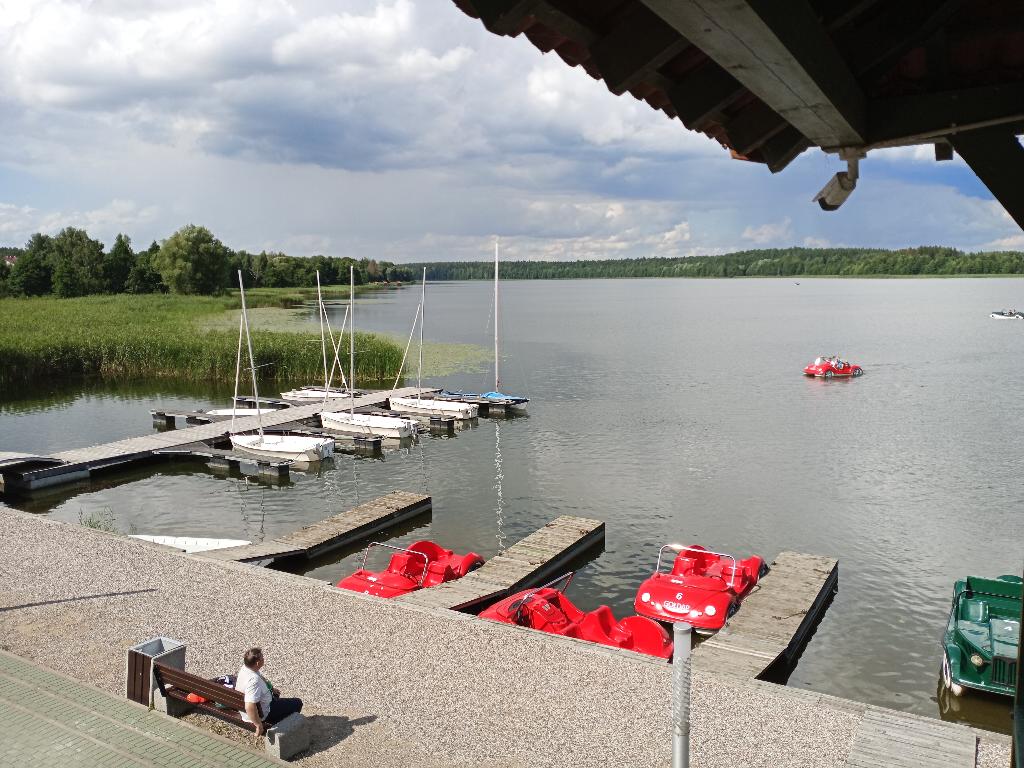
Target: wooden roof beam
point(781, 53)
point(996, 155)
point(640, 43)
point(504, 17)
point(704, 92)
point(916, 118)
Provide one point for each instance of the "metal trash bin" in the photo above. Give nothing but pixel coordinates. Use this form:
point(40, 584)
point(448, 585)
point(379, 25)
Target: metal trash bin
point(139, 666)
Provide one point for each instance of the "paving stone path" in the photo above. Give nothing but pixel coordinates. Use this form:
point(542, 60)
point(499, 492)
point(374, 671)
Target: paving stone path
point(53, 721)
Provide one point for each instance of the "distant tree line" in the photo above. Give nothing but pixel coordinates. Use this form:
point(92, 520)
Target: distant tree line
point(191, 260)
point(768, 262)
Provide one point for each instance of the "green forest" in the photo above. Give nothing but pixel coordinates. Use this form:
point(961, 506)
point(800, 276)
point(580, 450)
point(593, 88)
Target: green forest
point(190, 261)
point(769, 262)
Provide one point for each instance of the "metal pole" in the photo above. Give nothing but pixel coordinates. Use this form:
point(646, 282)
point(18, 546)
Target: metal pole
point(681, 695)
point(1017, 746)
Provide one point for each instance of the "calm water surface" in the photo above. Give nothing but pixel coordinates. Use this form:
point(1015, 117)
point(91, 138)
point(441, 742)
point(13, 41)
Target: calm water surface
point(675, 411)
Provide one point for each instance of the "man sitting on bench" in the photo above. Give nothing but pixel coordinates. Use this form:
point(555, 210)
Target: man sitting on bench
point(263, 704)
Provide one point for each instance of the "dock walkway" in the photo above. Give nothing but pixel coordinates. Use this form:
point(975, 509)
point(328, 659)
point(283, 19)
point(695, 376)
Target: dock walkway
point(79, 463)
point(50, 719)
point(541, 556)
point(776, 621)
point(335, 532)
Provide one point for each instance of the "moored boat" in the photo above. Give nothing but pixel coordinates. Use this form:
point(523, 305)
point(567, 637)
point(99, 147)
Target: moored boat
point(366, 423)
point(1007, 314)
point(982, 635)
point(303, 449)
point(422, 565)
point(191, 543)
point(428, 406)
point(703, 589)
point(549, 610)
point(313, 393)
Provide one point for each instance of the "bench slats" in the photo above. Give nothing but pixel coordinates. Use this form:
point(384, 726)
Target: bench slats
point(194, 684)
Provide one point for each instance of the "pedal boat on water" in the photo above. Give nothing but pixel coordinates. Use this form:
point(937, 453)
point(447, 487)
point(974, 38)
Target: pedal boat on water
point(1007, 314)
point(549, 610)
point(704, 588)
point(829, 367)
point(422, 565)
point(979, 648)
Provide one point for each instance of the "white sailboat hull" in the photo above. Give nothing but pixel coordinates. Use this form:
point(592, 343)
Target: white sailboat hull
point(241, 411)
point(365, 423)
point(192, 543)
point(297, 448)
point(428, 407)
point(315, 393)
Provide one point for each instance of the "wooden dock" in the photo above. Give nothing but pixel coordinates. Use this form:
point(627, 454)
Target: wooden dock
point(539, 557)
point(775, 622)
point(337, 531)
point(901, 740)
point(80, 463)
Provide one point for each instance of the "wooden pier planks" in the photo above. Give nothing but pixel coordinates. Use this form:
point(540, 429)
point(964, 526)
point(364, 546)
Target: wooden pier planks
point(776, 620)
point(334, 532)
point(78, 463)
point(539, 557)
point(901, 740)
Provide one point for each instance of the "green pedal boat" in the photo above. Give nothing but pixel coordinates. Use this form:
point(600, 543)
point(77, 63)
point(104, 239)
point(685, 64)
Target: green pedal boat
point(980, 644)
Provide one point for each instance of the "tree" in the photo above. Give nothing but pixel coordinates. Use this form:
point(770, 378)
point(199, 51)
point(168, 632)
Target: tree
point(117, 265)
point(5, 273)
point(77, 263)
point(192, 260)
point(32, 274)
point(143, 278)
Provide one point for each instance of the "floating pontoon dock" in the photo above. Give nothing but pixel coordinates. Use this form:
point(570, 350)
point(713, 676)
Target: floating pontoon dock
point(539, 557)
point(337, 531)
point(80, 463)
point(776, 621)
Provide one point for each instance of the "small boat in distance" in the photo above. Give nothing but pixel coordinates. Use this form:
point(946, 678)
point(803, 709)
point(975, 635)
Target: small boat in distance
point(314, 392)
point(422, 565)
point(703, 588)
point(1007, 314)
point(828, 367)
point(301, 449)
point(549, 610)
point(495, 397)
point(982, 635)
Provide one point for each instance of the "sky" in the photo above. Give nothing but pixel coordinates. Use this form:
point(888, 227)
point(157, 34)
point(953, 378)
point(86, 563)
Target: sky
point(401, 130)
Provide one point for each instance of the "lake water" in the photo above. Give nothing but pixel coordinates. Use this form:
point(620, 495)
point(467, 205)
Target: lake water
point(674, 410)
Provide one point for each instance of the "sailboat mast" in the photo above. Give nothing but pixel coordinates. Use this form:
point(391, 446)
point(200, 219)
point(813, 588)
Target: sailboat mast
point(423, 307)
point(252, 359)
point(497, 358)
point(238, 373)
point(323, 340)
point(352, 337)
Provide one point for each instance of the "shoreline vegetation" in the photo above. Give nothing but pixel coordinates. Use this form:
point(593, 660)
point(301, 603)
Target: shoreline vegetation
point(925, 261)
point(125, 337)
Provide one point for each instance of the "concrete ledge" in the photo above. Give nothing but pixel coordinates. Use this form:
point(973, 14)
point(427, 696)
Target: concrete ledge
point(289, 737)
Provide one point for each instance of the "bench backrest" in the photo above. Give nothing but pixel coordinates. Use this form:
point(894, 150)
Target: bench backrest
point(208, 689)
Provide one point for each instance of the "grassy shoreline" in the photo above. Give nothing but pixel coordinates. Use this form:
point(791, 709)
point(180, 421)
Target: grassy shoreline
point(124, 337)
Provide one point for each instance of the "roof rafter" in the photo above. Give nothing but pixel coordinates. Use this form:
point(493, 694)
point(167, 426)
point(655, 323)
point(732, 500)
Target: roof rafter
point(640, 43)
point(783, 55)
point(996, 155)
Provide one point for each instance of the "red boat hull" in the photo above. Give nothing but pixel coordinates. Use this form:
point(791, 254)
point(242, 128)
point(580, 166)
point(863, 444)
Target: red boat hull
point(429, 566)
point(703, 589)
point(549, 610)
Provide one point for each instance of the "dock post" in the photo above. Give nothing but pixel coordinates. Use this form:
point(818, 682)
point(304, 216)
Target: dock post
point(681, 632)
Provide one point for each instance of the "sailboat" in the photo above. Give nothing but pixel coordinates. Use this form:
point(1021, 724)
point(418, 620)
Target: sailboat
point(428, 406)
point(326, 392)
point(301, 449)
point(351, 422)
point(495, 397)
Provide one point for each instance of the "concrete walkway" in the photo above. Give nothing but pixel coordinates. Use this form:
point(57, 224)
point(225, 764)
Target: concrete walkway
point(52, 721)
point(393, 685)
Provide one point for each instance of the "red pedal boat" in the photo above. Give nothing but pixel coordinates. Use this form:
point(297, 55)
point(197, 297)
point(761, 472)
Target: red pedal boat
point(423, 564)
point(549, 610)
point(827, 367)
point(703, 589)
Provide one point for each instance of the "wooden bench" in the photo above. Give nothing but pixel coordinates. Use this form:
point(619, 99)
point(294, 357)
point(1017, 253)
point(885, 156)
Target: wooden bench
point(284, 739)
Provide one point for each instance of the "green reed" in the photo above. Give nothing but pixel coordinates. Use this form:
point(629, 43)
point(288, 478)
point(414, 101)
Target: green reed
point(160, 336)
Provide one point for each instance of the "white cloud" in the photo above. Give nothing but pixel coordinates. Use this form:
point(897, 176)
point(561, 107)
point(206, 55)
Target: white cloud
point(817, 242)
point(776, 233)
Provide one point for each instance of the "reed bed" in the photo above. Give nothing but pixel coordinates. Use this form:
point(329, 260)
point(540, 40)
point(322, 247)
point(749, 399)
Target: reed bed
point(160, 336)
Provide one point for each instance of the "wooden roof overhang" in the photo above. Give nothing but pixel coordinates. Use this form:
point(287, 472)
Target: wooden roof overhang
point(771, 78)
